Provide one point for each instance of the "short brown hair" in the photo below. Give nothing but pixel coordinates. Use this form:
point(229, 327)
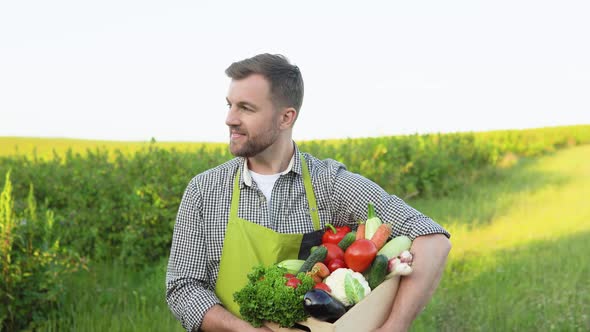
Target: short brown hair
point(286, 82)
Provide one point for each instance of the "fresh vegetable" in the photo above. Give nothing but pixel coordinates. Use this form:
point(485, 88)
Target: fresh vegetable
point(336, 282)
point(318, 255)
point(321, 305)
point(293, 282)
point(406, 257)
point(265, 297)
point(373, 222)
point(320, 269)
point(400, 265)
point(381, 235)
point(360, 255)
point(322, 286)
point(378, 271)
point(336, 264)
point(353, 289)
point(397, 268)
point(392, 263)
point(292, 265)
point(335, 234)
point(395, 246)
point(360, 230)
point(318, 272)
point(347, 240)
point(315, 277)
point(334, 252)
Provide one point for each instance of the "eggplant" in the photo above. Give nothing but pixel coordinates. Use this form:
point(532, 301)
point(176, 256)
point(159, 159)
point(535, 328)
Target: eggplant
point(320, 305)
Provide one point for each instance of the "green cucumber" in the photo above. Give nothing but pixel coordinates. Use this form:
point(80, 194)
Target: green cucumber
point(378, 271)
point(317, 255)
point(347, 240)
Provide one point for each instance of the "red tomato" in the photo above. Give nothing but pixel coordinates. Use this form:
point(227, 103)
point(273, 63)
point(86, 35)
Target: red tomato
point(360, 255)
point(336, 264)
point(293, 282)
point(323, 286)
point(289, 275)
point(334, 251)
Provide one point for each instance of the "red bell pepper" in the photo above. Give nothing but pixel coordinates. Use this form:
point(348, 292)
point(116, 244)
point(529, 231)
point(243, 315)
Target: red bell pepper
point(335, 234)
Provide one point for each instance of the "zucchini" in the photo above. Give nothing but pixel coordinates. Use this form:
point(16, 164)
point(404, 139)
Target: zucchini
point(291, 265)
point(373, 222)
point(378, 271)
point(347, 240)
point(317, 255)
point(395, 246)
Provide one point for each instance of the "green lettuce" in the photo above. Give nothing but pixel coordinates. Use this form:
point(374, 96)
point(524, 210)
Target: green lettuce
point(266, 297)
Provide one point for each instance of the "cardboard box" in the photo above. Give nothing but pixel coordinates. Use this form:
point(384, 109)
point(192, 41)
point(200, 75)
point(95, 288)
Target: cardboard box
point(366, 315)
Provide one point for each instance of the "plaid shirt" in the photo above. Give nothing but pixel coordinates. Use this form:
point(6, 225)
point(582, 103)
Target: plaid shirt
point(341, 196)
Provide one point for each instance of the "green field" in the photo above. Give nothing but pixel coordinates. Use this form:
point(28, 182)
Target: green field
point(49, 147)
point(519, 260)
point(520, 245)
point(515, 202)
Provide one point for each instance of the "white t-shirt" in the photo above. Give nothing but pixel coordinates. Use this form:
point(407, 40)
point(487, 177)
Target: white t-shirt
point(265, 183)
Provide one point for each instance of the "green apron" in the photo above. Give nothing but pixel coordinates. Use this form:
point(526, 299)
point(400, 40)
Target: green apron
point(247, 244)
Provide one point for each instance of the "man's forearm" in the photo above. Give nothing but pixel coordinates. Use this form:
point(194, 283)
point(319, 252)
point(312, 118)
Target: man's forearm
point(416, 290)
point(220, 320)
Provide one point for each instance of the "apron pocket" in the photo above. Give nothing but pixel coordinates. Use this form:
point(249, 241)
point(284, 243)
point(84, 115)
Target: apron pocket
point(309, 240)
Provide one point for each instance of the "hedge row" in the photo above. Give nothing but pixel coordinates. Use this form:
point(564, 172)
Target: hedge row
point(114, 205)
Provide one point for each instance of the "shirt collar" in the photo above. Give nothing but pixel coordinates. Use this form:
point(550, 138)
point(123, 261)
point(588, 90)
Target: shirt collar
point(294, 165)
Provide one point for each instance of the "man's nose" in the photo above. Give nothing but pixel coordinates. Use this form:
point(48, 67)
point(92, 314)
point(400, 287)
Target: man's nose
point(232, 118)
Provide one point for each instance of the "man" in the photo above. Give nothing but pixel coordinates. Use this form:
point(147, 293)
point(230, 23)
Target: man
point(271, 202)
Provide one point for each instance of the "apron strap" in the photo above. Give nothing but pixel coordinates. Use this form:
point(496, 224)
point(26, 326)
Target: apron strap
point(310, 195)
point(235, 199)
point(313, 208)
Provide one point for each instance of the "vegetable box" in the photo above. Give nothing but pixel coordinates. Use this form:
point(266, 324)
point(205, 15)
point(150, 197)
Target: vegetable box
point(367, 315)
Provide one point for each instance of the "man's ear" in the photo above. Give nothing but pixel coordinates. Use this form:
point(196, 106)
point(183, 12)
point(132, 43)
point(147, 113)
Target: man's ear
point(288, 117)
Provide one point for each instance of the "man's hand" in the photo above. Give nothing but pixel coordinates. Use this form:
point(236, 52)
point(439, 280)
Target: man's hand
point(415, 290)
point(217, 319)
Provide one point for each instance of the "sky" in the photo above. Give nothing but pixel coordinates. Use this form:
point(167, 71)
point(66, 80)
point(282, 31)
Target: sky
point(136, 70)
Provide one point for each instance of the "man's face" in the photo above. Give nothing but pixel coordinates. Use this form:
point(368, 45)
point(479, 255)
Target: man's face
point(252, 119)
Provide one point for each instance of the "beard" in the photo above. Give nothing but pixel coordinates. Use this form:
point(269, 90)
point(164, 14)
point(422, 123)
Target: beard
point(255, 144)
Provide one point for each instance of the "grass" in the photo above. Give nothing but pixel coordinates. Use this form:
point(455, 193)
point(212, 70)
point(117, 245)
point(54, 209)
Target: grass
point(538, 287)
point(111, 297)
point(520, 245)
point(518, 263)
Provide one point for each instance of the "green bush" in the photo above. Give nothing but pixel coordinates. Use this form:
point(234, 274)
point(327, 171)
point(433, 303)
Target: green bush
point(32, 264)
point(111, 204)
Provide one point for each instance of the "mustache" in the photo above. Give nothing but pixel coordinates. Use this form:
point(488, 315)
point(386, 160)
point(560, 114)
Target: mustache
point(237, 130)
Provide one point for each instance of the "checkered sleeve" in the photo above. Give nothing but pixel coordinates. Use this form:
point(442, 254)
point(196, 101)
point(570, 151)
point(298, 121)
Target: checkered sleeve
point(188, 291)
point(352, 193)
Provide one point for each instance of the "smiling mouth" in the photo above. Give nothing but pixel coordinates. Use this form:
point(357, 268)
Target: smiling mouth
point(235, 134)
